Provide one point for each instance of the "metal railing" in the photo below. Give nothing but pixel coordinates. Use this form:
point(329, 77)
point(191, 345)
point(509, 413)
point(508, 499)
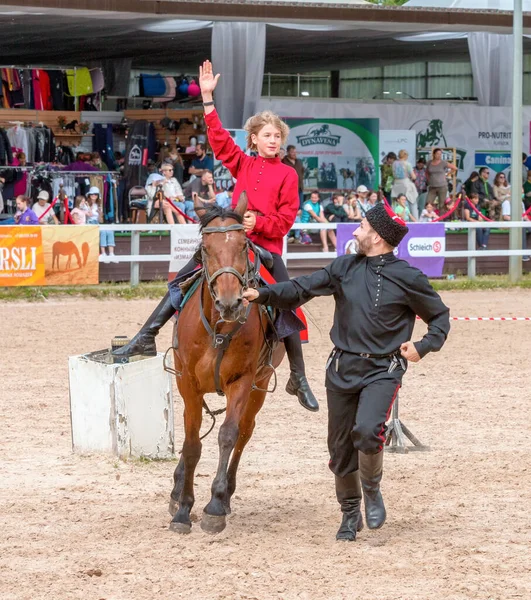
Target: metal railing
point(135, 258)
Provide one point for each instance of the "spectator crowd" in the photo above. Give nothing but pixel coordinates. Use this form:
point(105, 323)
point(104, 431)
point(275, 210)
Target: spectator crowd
point(417, 193)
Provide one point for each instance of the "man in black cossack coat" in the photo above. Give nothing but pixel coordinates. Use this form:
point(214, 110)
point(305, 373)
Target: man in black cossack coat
point(377, 297)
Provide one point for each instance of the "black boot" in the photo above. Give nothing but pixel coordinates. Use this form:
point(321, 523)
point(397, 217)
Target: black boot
point(144, 341)
point(348, 492)
point(298, 386)
point(371, 469)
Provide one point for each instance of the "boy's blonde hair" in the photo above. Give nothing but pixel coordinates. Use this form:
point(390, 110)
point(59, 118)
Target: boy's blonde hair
point(257, 122)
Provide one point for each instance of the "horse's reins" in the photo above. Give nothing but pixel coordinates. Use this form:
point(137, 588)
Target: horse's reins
point(221, 341)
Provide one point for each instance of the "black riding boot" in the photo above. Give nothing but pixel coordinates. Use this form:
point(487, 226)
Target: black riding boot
point(348, 492)
point(144, 341)
point(371, 469)
point(298, 384)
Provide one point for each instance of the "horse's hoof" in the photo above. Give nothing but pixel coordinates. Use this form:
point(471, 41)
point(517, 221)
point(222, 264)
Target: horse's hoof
point(180, 527)
point(213, 523)
point(173, 507)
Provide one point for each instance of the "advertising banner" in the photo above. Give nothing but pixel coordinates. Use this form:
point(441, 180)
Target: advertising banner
point(222, 176)
point(394, 140)
point(184, 242)
point(423, 246)
point(49, 255)
point(466, 127)
point(336, 153)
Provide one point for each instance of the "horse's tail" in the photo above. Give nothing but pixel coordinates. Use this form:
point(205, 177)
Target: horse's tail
point(85, 249)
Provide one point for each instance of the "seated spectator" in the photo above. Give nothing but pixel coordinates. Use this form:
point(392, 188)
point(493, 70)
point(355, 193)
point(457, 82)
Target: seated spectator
point(335, 211)
point(80, 211)
point(362, 192)
point(224, 199)
point(506, 216)
point(468, 186)
point(202, 162)
point(428, 214)
point(178, 165)
point(312, 211)
point(473, 215)
point(24, 214)
point(296, 235)
point(93, 202)
point(171, 189)
point(200, 190)
point(486, 196)
point(527, 191)
point(401, 209)
point(449, 205)
point(43, 206)
point(353, 209)
point(502, 189)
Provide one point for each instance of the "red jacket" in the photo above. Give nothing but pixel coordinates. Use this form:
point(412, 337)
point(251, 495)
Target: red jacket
point(272, 187)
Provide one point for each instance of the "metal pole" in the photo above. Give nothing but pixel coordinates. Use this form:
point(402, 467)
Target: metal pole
point(515, 235)
point(76, 99)
point(135, 250)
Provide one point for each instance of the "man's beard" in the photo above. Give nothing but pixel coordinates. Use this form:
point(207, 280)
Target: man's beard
point(361, 246)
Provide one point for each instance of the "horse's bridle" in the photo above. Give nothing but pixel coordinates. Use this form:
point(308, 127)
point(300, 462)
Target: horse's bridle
point(210, 279)
point(221, 341)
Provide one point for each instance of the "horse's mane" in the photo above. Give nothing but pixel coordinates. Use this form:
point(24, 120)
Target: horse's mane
point(214, 211)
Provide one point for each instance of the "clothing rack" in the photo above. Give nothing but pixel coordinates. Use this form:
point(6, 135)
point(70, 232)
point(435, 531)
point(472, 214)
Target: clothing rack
point(76, 98)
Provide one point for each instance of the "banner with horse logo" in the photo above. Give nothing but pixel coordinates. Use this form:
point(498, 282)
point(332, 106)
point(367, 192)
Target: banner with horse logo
point(49, 255)
point(337, 154)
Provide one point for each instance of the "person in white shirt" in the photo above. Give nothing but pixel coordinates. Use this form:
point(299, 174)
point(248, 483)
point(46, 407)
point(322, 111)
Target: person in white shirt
point(41, 206)
point(171, 189)
point(506, 216)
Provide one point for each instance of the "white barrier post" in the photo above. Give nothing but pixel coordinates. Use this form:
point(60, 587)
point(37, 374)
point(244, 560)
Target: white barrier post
point(135, 250)
point(471, 271)
point(121, 409)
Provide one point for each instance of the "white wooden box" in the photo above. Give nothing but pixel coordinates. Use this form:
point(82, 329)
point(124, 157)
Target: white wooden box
point(123, 409)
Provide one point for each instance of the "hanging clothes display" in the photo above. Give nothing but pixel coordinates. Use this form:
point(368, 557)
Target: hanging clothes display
point(79, 82)
point(18, 138)
point(98, 83)
point(12, 92)
point(103, 143)
point(6, 152)
point(57, 89)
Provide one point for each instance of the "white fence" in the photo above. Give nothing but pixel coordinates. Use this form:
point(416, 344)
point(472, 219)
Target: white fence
point(135, 258)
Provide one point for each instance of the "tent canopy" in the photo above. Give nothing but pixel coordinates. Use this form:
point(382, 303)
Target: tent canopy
point(40, 35)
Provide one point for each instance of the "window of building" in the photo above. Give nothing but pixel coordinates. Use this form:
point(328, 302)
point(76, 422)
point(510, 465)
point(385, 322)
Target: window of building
point(420, 81)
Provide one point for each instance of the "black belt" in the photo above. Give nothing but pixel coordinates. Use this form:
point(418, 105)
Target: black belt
point(368, 355)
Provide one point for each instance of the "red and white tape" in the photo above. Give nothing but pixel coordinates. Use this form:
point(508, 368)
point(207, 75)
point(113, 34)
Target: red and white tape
point(489, 318)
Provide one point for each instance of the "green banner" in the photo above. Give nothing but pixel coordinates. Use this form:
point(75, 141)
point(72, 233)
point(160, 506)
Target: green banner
point(338, 154)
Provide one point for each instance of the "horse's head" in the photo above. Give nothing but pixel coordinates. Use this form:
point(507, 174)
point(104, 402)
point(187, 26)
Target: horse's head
point(224, 250)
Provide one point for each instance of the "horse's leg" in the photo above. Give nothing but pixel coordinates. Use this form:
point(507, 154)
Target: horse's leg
point(178, 482)
point(247, 423)
point(214, 514)
point(191, 453)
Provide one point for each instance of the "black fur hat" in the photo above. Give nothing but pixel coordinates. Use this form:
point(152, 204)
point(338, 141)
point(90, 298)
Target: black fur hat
point(387, 225)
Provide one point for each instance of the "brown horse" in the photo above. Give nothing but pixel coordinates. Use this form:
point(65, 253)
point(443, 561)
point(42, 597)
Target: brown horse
point(214, 321)
point(65, 249)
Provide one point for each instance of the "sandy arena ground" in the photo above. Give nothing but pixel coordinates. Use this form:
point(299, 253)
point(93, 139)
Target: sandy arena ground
point(96, 528)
